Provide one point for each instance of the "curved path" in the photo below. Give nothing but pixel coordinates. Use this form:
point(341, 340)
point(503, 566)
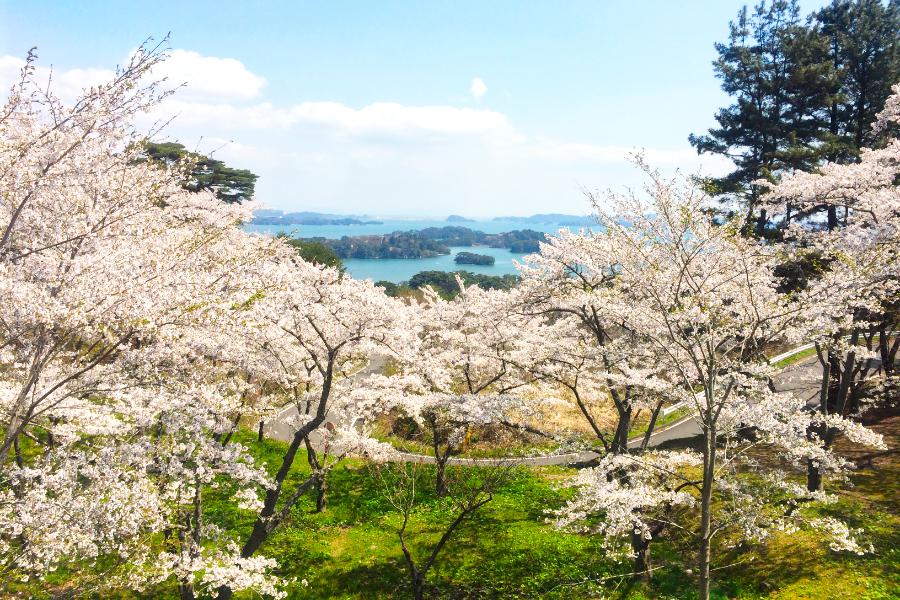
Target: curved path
point(281, 428)
point(801, 379)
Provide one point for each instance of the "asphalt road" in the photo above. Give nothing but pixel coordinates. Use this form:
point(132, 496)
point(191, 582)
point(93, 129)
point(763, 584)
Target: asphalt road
point(281, 427)
point(801, 379)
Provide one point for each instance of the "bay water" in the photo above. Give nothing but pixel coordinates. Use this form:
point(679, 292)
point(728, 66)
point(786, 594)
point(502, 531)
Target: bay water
point(397, 270)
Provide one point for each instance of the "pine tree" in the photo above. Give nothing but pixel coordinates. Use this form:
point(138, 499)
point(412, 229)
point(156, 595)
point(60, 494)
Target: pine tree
point(777, 70)
point(205, 173)
point(863, 39)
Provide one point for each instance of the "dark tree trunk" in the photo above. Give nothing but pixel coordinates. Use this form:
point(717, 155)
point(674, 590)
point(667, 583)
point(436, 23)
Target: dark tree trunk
point(440, 459)
point(761, 223)
point(20, 462)
point(651, 426)
point(259, 435)
point(813, 477)
point(186, 591)
point(620, 439)
point(832, 217)
point(440, 480)
point(706, 493)
point(641, 548)
point(418, 586)
point(321, 492)
point(320, 476)
point(270, 515)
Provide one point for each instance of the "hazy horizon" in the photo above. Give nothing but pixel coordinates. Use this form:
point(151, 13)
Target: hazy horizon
point(420, 216)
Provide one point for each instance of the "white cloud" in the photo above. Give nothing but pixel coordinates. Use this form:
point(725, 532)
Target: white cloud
point(398, 119)
point(203, 77)
point(67, 84)
point(209, 76)
point(683, 158)
point(382, 157)
point(9, 70)
point(478, 88)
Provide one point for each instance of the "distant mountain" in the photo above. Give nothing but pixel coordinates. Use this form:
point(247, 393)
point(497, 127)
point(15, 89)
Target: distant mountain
point(277, 217)
point(553, 219)
point(459, 219)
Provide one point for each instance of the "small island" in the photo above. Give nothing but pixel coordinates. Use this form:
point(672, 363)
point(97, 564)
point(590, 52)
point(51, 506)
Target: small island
point(459, 219)
point(399, 244)
point(470, 258)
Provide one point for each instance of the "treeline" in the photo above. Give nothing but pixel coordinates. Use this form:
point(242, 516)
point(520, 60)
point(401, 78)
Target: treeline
point(315, 252)
point(270, 217)
point(804, 91)
point(392, 245)
point(445, 283)
point(428, 242)
point(520, 240)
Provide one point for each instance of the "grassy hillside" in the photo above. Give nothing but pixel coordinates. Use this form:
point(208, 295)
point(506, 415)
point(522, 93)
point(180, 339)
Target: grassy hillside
point(507, 550)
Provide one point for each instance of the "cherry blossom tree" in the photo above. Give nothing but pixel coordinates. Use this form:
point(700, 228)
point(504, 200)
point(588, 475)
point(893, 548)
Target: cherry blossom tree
point(468, 488)
point(318, 328)
point(466, 369)
point(109, 274)
point(587, 349)
point(705, 299)
point(855, 260)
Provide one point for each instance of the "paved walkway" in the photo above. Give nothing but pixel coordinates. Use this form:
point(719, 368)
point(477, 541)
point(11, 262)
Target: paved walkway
point(801, 379)
point(282, 427)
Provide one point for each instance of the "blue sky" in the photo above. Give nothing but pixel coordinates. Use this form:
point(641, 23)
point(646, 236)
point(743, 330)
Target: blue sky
point(374, 107)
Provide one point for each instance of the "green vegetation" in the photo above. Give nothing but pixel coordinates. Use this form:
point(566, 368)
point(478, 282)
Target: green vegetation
point(428, 242)
point(392, 245)
point(639, 427)
point(470, 258)
point(794, 358)
point(316, 252)
point(520, 240)
point(445, 284)
point(205, 173)
point(508, 550)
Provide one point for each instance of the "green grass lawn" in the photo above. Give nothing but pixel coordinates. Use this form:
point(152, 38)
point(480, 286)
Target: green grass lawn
point(794, 358)
point(352, 549)
point(507, 550)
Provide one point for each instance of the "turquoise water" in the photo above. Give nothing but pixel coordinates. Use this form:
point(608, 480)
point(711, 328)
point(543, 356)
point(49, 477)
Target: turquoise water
point(401, 269)
point(397, 270)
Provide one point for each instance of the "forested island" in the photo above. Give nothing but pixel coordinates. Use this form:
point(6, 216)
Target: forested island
point(470, 258)
point(429, 242)
point(392, 245)
point(445, 284)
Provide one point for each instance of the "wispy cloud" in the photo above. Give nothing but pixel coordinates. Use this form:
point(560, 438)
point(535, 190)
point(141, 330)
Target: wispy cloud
point(478, 88)
point(330, 155)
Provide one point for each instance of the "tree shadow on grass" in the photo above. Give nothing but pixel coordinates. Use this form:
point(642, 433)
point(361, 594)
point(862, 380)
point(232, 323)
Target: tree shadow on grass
point(384, 579)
